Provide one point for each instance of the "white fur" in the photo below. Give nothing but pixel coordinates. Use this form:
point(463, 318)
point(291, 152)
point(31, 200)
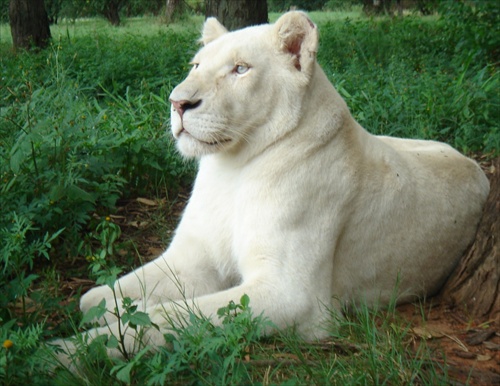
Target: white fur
point(295, 204)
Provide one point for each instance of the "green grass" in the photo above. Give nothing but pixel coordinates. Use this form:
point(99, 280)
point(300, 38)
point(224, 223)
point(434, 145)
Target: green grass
point(367, 347)
point(142, 26)
point(83, 124)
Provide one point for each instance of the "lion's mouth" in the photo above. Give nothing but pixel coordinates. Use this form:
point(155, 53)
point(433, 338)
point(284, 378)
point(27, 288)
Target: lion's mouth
point(209, 143)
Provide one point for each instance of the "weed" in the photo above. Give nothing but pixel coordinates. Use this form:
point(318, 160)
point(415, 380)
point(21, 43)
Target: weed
point(23, 355)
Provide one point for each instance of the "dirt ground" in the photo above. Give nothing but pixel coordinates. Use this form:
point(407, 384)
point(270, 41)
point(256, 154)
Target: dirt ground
point(470, 348)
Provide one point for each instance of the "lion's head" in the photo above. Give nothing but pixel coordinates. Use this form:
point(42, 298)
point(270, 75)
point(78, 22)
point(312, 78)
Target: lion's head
point(245, 88)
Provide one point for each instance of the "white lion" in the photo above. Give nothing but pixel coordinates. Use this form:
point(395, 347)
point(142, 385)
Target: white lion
point(295, 204)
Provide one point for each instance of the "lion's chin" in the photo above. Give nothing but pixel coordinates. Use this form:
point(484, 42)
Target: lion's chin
point(191, 147)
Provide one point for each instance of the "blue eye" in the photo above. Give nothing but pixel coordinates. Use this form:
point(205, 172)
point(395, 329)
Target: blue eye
point(241, 68)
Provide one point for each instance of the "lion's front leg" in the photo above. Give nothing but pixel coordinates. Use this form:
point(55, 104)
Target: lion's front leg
point(283, 304)
point(135, 285)
point(128, 342)
point(170, 277)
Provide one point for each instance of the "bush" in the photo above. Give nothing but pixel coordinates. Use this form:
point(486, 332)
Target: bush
point(473, 29)
point(70, 148)
point(400, 77)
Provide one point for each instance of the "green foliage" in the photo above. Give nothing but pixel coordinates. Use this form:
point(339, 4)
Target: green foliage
point(70, 148)
point(198, 351)
point(4, 11)
point(23, 358)
point(73, 9)
point(400, 77)
point(473, 28)
point(365, 347)
point(213, 354)
point(17, 257)
point(341, 5)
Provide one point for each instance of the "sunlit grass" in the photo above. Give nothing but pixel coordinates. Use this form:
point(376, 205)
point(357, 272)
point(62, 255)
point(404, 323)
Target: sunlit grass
point(148, 26)
point(137, 26)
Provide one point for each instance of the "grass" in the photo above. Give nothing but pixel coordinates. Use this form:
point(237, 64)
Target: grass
point(366, 347)
point(148, 26)
point(142, 26)
point(83, 126)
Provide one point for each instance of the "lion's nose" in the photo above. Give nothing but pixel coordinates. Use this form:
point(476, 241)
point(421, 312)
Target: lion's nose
point(183, 105)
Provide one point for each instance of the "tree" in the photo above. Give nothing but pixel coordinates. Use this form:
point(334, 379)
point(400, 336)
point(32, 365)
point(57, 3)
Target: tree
point(53, 8)
point(235, 14)
point(475, 284)
point(29, 24)
point(174, 10)
point(304, 5)
point(110, 9)
point(377, 7)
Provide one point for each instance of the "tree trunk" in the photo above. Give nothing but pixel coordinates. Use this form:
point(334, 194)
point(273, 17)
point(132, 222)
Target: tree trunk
point(111, 11)
point(475, 284)
point(423, 7)
point(175, 9)
point(236, 14)
point(29, 24)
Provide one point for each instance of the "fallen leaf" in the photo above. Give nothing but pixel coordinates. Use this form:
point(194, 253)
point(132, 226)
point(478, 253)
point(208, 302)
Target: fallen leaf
point(479, 337)
point(146, 201)
point(492, 346)
point(286, 356)
point(117, 217)
point(427, 332)
point(465, 355)
point(138, 224)
point(153, 251)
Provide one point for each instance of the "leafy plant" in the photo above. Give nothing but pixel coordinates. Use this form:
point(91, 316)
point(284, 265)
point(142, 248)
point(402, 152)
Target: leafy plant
point(23, 355)
point(210, 353)
point(400, 78)
point(18, 254)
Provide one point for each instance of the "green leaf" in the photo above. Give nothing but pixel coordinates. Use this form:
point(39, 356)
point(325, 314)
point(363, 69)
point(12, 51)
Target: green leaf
point(245, 301)
point(138, 318)
point(123, 373)
point(124, 370)
point(16, 159)
point(95, 312)
point(112, 342)
point(78, 194)
point(109, 278)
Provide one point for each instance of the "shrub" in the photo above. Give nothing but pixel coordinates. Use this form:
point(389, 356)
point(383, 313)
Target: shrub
point(23, 358)
point(400, 77)
point(69, 150)
point(473, 29)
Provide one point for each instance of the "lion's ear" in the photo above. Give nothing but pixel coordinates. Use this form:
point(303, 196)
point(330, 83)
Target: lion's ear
point(298, 36)
point(212, 29)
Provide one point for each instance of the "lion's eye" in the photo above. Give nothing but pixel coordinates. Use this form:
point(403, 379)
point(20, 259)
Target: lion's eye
point(241, 68)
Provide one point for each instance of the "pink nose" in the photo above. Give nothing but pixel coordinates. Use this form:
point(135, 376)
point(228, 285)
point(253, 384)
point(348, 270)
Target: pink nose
point(183, 105)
